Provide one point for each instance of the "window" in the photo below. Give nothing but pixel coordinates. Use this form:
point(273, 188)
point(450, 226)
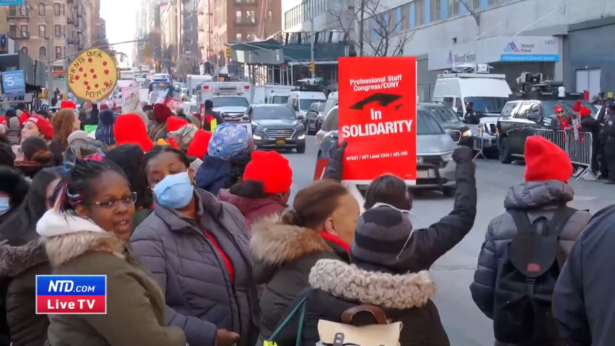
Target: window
point(475, 4)
point(24, 50)
point(58, 30)
point(58, 52)
point(487, 104)
point(273, 112)
point(270, 16)
point(23, 11)
point(231, 101)
point(237, 16)
point(251, 16)
point(444, 115)
point(238, 37)
point(453, 8)
point(42, 31)
point(56, 10)
point(508, 109)
point(12, 30)
point(523, 110)
point(419, 12)
point(426, 124)
point(42, 53)
point(405, 21)
point(24, 30)
point(331, 122)
point(41, 9)
point(435, 9)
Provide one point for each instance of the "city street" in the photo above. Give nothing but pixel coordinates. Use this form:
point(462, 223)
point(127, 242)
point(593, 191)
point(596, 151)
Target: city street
point(465, 324)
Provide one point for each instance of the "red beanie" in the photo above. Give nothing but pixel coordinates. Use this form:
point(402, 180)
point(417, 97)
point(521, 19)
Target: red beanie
point(103, 107)
point(585, 112)
point(44, 126)
point(68, 104)
point(130, 129)
point(200, 143)
point(23, 118)
point(272, 169)
point(174, 124)
point(577, 106)
point(545, 161)
point(162, 112)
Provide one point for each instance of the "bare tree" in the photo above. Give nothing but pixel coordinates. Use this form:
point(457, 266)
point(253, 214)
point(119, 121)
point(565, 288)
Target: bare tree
point(379, 32)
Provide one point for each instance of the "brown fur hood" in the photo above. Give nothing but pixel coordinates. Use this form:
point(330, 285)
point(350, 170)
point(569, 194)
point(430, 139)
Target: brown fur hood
point(275, 243)
point(63, 248)
point(14, 260)
point(347, 282)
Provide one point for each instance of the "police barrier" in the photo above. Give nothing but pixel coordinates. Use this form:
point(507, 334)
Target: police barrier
point(578, 148)
point(480, 141)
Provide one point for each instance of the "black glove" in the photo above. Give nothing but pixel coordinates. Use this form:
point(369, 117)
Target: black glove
point(463, 154)
point(335, 166)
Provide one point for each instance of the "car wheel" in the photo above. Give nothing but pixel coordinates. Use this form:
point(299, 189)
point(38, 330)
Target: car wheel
point(301, 148)
point(504, 151)
point(449, 191)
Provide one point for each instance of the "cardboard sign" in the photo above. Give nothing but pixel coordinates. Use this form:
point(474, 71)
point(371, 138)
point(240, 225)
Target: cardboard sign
point(377, 112)
point(130, 99)
point(92, 75)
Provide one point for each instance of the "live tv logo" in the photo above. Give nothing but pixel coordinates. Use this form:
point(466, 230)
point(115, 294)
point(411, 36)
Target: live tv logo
point(71, 294)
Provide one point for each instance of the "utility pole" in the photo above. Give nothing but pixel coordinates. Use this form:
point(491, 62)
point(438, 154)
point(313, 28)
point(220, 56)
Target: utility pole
point(49, 71)
point(313, 40)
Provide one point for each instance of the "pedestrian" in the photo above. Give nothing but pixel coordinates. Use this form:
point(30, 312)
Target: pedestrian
point(129, 157)
point(23, 258)
point(82, 235)
point(264, 189)
point(228, 154)
point(210, 115)
point(64, 123)
point(104, 130)
point(130, 129)
point(607, 137)
point(542, 201)
point(560, 122)
point(13, 190)
point(94, 114)
point(68, 105)
point(158, 130)
point(37, 126)
point(198, 148)
point(83, 118)
point(197, 247)
point(471, 117)
point(590, 125)
point(77, 135)
point(13, 132)
point(36, 156)
point(7, 155)
point(320, 225)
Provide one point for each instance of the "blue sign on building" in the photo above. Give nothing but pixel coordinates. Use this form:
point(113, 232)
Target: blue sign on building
point(11, 2)
point(13, 83)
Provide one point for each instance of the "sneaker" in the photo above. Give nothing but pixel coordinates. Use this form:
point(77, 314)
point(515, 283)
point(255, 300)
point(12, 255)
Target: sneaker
point(589, 176)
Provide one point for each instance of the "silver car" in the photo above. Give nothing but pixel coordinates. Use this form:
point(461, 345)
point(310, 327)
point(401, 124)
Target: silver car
point(434, 150)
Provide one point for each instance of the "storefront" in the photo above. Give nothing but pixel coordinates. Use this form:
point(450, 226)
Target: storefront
point(509, 55)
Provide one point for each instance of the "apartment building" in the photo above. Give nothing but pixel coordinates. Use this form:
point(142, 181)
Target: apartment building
point(169, 25)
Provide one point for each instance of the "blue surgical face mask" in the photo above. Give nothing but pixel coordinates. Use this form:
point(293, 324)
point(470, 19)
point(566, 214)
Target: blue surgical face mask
point(4, 205)
point(174, 191)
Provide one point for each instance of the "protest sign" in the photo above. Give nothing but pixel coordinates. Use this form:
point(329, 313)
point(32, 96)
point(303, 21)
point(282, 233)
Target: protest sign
point(92, 75)
point(377, 112)
point(130, 99)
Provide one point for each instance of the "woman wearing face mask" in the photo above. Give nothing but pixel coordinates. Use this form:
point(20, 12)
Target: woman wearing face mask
point(23, 257)
point(197, 247)
point(13, 190)
point(228, 154)
point(265, 187)
point(320, 225)
point(85, 233)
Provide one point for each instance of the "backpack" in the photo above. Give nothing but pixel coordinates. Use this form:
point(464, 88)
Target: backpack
point(526, 279)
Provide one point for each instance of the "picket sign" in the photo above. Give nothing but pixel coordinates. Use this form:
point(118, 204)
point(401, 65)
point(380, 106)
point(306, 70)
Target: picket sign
point(319, 173)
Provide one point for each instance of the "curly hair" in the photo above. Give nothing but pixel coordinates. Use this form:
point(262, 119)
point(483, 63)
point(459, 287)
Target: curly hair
point(62, 123)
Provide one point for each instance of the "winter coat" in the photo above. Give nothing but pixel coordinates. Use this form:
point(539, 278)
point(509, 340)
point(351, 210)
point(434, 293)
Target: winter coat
point(253, 208)
point(104, 130)
point(539, 199)
point(337, 287)
point(135, 302)
point(93, 118)
point(22, 258)
point(29, 168)
point(200, 296)
point(57, 149)
point(283, 256)
point(213, 175)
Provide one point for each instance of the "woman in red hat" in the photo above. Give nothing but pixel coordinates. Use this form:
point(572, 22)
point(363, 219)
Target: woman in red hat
point(37, 126)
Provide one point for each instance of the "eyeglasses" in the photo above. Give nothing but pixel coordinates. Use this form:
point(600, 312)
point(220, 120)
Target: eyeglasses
point(112, 204)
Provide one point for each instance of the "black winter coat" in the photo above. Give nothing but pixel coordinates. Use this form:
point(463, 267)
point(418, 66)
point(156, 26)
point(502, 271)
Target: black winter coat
point(337, 287)
point(283, 256)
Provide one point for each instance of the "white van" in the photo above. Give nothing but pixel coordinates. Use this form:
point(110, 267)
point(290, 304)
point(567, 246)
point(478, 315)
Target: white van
point(272, 94)
point(300, 102)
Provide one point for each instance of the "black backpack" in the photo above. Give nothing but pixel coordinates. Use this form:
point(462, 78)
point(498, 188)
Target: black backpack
point(526, 279)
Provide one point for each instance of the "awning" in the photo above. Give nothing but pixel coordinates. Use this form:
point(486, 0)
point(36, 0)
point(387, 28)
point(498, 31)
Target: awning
point(270, 44)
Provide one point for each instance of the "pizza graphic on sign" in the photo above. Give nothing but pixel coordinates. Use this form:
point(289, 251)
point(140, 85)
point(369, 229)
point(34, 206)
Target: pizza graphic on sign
point(92, 75)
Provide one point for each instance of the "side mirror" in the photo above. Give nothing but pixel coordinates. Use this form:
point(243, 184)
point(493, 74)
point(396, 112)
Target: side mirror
point(535, 117)
point(246, 117)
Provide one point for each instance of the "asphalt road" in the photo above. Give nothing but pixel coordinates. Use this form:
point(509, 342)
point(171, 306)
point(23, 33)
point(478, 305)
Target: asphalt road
point(464, 323)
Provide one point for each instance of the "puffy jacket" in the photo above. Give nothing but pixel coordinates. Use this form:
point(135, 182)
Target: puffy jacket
point(214, 174)
point(283, 256)
point(253, 208)
point(539, 199)
point(200, 296)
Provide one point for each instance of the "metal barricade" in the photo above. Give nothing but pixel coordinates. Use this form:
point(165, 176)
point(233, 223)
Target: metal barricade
point(578, 147)
point(479, 141)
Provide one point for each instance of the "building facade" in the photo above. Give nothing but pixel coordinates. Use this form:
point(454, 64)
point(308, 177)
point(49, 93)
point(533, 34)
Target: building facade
point(169, 24)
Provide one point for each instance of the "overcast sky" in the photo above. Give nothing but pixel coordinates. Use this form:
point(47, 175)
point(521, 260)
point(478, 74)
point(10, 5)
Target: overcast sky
point(120, 17)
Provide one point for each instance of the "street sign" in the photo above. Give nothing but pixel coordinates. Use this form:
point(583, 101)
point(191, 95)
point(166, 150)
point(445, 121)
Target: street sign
point(13, 83)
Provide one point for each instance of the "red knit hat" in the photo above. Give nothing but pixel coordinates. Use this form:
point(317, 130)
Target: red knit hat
point(174, 124)
point(200, 143)
point(272, 169)
point(585, 112)
point(68, 104)
point(577, 106)
point(162, 112)
point(545, 161)
point(44, 126)
point(103, 107)
point(130, 129)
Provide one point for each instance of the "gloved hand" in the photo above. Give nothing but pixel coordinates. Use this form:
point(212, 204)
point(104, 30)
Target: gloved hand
point(463, 154)
point(335, 166)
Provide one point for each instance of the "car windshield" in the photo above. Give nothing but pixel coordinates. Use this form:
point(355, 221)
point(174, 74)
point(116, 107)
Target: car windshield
point(321, 107)
point(273, 112)
point(548, 107)
point(279, 100)
point(426, 124)
point(160, 86)
point(304, 104)
point(230, 102)
point(444, 115)
point(492, 105)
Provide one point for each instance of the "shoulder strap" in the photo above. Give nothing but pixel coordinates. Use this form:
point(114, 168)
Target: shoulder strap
point(561, 216)
point(282, 325)
point(521, 219)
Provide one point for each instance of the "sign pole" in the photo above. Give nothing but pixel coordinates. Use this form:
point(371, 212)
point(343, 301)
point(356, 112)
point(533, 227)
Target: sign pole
point(49, 72)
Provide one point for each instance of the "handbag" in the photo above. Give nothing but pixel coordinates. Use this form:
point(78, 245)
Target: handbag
point(300, 305)
point(380, 334)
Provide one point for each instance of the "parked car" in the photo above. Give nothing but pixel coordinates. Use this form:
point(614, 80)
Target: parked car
point(275, 126)
point(314, 117)
point(448, 119)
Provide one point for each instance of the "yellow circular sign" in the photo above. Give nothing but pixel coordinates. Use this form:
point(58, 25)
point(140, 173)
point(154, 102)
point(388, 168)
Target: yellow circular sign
point(93, 75)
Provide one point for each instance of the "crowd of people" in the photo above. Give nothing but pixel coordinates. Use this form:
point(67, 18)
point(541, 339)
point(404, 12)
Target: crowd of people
point(199, 245)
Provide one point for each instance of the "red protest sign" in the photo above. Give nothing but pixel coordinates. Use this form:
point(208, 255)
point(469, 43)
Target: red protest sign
point(321, 166)
point(377, 111)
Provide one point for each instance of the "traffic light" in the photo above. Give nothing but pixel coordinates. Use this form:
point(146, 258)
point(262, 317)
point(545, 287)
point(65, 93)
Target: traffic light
point(312, 67)
point(229, 52)
point(147, 53)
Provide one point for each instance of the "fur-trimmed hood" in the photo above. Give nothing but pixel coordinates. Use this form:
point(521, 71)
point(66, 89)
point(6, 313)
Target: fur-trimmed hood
point(348, 282)
point(275, 243)
point(15, 260)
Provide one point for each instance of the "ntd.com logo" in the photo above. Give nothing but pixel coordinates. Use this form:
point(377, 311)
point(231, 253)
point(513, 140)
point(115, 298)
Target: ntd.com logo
point(71, 294)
